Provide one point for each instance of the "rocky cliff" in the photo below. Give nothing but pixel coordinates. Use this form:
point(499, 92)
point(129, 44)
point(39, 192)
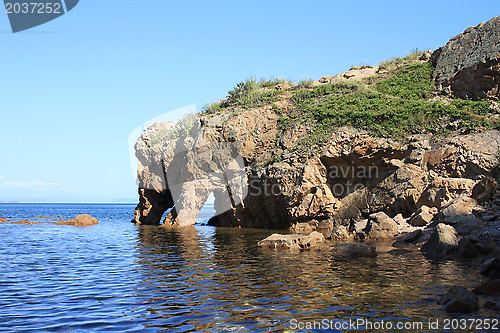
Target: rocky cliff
point(319, 154)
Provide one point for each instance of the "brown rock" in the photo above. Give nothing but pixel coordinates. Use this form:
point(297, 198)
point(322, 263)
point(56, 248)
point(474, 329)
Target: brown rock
point(442, 241)
point(339, 233)
point(400, 191)
point(381, 227)
point(465, 156)
point(24, 222)
point(314, 197)
point(423, 216)
point(460, 206)
point(2, 220)
point(412, 237)
point(82, 220)
point(294, 241)
point(303, 228)
point(399, 219)
point(485, 189)
point(441, 190)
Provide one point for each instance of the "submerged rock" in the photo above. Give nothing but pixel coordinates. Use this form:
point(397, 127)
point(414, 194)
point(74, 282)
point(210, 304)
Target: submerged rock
point(26, 222)
point(460, 300)
point(354, 250)
point(294, 241)
point(82, 220)
point(2, 220)
point(488, 288)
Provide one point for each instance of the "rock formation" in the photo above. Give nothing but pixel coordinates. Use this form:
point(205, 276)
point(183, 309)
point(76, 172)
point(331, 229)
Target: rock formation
point(469, 65)
point(267, 171)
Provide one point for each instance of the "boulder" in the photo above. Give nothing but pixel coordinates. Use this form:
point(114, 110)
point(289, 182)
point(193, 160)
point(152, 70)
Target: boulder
point(460, 206)
point(423, 216)
point(491, 268)
point(381, 227)
point(2, 220)
point(82, 220)
point(488, 288)
point(408, 238)
point(467, 224)
point(460, 300)
point(359, 226)
point(413, 236)
point(466, 249)
point(339, 233)
point(354, 250)
point(443, 240)
point(399, 219)
point(293, 241)
point(457, 160)
point(485, 189)
point(400, 191)
point(487, 247)
point(442, 190)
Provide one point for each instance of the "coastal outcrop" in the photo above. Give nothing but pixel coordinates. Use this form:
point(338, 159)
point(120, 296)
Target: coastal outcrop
point(82, 220)
point(374, 153)
point(469, 64)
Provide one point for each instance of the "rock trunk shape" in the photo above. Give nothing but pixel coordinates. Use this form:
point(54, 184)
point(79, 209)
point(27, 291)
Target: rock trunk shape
point(263, 172)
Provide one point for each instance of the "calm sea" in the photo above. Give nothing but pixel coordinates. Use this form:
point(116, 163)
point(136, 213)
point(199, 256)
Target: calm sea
point(118, 277)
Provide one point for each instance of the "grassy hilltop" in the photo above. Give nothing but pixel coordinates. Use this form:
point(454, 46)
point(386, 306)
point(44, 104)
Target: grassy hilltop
point(397, 99)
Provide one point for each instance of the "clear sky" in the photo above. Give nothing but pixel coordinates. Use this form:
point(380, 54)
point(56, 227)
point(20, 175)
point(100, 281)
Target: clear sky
point(72, 90)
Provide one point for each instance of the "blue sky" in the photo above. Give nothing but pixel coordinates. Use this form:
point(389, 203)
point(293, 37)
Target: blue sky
point(72, 90)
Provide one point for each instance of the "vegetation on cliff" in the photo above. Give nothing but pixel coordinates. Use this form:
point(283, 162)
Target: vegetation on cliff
point(400, 98)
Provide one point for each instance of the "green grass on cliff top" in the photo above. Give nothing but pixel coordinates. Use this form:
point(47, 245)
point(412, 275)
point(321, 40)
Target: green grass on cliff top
point(400, 100)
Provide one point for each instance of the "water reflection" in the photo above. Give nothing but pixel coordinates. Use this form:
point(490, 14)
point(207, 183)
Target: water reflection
point(208, 279)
